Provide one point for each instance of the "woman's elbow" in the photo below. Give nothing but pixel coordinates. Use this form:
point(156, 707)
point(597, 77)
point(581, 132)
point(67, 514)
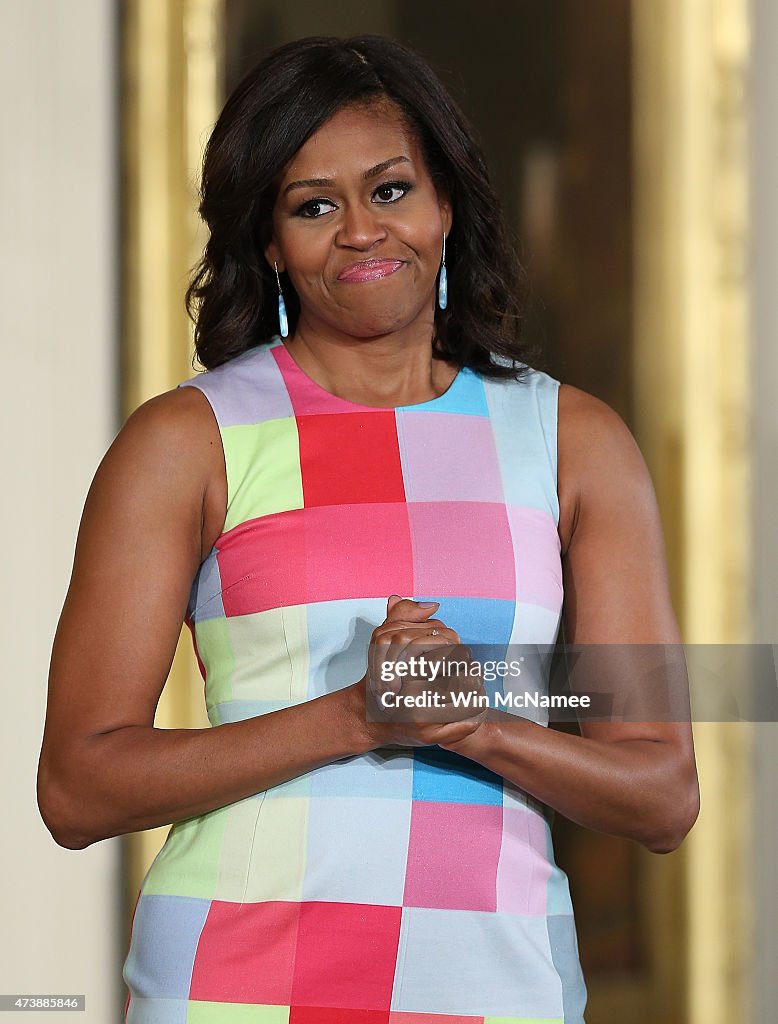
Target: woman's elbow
point(69, 840)
point(677, 822)
point(55, 805)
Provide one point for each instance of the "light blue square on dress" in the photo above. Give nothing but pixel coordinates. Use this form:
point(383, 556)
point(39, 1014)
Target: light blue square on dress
point(157, 1011)
point(165, 933)
point(357, 850)
point(477, 620)
point(339, 635)
point(383, 774)
point(564, 947)
point(205, 599)
point(454, 961)
point(466, 394)
point(444, 776)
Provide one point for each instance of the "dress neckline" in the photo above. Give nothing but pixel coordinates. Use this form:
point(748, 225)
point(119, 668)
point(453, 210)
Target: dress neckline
point(444, 398)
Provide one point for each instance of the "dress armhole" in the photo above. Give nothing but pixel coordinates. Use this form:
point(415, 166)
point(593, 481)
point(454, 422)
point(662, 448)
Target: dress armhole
point(195, 383)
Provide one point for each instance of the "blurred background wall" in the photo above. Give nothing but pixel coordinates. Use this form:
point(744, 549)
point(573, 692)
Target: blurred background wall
point(60, 911)
point(763, 264)
point(635, 149)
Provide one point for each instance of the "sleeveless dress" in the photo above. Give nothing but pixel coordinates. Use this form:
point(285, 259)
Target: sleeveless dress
point(405, 885)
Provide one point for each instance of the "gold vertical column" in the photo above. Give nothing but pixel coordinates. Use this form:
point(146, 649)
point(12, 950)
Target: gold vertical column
point(171, 91)
point(692, 357)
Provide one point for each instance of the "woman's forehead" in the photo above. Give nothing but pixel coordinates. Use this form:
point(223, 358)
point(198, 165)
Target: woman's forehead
point(353, 141)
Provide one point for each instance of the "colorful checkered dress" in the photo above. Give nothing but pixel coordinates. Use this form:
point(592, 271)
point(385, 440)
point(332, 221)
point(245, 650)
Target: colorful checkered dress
point(405, 885)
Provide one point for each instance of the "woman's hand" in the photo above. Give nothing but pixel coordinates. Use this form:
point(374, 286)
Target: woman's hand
point(388, 693)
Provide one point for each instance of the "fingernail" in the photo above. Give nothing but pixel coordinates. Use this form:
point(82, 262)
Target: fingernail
point(427, 604)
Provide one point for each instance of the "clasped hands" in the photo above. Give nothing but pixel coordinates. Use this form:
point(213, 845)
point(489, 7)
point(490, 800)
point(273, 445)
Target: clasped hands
point(421, 687)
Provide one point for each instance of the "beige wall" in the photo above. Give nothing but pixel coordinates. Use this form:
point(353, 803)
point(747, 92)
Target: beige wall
point(59, 908)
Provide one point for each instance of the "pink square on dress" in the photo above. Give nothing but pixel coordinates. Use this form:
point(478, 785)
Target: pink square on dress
point(346, 955)
point(538, 563)
point(462, 549)
point(432, 446)
point(453, 853)
point(246, 953)
point(524, 869)
point(357, 551)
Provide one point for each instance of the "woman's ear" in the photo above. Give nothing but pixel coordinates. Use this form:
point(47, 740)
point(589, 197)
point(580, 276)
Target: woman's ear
point(273, 255)
point(446, 213)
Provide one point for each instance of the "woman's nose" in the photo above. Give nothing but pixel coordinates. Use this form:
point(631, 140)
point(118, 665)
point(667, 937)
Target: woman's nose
point(360, 227)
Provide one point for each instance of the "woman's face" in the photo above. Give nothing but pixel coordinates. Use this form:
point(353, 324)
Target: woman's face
point(358, 193)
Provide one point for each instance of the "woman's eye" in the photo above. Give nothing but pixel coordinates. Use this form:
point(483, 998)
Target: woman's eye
point(385, 191)
point(312, 208)
point(390, 192)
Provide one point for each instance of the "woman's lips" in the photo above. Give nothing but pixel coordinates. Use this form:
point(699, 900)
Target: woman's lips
point(370, 270)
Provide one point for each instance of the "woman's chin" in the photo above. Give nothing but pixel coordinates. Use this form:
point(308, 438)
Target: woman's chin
point(372, 323)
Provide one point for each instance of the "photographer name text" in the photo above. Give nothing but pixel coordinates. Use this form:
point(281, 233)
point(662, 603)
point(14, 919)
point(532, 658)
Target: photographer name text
point(528, 699)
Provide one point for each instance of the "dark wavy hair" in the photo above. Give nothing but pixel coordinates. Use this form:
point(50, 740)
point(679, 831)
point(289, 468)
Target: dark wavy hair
point(232, 296)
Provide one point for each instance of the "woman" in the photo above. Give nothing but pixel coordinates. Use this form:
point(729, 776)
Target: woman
point(368, 463)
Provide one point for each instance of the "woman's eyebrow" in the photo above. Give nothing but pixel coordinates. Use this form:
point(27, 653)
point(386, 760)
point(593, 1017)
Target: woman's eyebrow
point(371, 172)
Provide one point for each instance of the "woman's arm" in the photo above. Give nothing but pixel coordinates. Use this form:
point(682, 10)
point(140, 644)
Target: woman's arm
point(104, 769)
point(633, 779)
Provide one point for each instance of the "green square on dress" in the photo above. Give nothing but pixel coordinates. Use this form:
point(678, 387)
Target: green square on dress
point(263, 469)
point(273, 660)
point(521, 1020)
point(214, 646)
point(198, 1012)
point(188, 863)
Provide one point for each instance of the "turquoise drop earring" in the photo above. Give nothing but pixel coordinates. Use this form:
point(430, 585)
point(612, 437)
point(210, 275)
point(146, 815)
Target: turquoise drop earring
point(283, 323)
point(443, 284)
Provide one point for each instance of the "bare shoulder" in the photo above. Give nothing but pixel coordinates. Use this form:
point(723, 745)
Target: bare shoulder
point(585, 421)
point(174, 437)
point(595, 450)
point(181, 417)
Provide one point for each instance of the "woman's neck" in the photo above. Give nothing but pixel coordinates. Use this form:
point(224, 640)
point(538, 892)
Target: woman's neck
point(389, 370)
